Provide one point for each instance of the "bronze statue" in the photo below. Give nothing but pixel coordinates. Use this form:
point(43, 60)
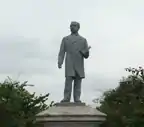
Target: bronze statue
point(76, 48)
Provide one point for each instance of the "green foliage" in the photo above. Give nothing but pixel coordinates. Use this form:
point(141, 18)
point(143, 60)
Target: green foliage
point(124, 105)
point(18, 107)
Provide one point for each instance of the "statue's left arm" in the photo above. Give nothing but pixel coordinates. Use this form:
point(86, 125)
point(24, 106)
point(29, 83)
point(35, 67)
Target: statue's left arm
point(85, 51)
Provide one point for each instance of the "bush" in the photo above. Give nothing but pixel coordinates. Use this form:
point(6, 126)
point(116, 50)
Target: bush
point(124, 105)
point(18, 107)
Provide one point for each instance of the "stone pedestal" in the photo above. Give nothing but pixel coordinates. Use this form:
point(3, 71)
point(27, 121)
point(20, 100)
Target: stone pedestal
point(70, 115)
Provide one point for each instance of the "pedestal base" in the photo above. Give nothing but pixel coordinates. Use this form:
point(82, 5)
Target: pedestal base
point(71, 124)
point(70, 115)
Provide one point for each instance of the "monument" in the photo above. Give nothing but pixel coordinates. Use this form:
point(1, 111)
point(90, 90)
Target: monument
point(74, 49)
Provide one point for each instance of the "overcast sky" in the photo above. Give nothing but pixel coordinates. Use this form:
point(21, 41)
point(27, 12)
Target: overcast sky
point(31, 32)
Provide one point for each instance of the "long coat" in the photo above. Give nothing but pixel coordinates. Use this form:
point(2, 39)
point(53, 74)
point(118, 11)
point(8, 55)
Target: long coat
point(76, 49)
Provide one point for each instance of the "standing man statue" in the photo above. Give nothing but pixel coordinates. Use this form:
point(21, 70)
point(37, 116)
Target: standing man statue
point(76, 49)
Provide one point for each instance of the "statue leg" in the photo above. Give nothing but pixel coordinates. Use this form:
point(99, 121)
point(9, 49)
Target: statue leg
point(67, 89)
point(77, 89)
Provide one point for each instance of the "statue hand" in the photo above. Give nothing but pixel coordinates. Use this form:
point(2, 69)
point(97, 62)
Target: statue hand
point(89, 47)
point(59, 66)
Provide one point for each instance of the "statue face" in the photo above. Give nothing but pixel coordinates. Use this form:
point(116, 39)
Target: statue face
point(74, 27)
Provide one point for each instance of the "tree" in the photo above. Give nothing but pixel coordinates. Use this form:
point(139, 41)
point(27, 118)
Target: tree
point(124, 105)
point(18, 107)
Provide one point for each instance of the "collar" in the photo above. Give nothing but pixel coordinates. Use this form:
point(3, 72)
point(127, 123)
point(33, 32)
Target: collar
point(76, 34)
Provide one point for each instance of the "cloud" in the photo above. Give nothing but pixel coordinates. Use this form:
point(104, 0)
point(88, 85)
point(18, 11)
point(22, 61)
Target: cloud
point(19, 54)
point(31, 33)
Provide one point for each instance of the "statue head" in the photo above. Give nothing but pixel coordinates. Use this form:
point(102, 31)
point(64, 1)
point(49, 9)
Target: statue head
point(74, 26)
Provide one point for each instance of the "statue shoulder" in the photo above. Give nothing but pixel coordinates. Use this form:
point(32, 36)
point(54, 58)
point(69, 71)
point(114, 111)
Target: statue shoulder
point(66, 37)
point(82, 38)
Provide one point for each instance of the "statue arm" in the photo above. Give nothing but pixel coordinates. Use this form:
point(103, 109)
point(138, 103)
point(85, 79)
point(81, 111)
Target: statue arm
point(85, 51)
point(61, 54)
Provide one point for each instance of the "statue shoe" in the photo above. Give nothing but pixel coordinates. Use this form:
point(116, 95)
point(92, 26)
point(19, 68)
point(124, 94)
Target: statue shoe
point(64, 100)
point(77, 101)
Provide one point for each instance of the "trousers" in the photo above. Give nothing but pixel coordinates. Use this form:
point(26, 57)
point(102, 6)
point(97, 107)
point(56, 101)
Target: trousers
point(76, 88)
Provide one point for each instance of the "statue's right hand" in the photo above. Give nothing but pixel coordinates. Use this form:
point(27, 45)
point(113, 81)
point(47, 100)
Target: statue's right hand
point(59, 66)
point(89, 47)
